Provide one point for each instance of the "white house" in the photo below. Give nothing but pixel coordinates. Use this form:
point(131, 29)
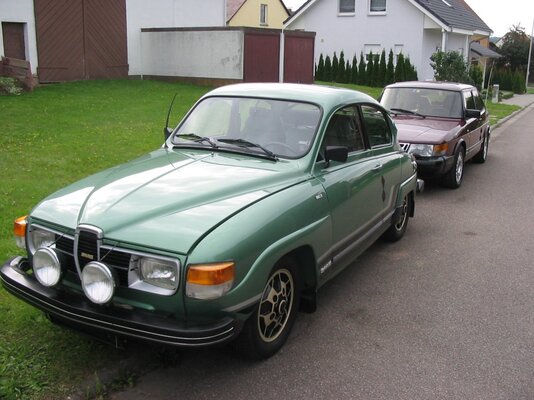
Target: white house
point(417, 28)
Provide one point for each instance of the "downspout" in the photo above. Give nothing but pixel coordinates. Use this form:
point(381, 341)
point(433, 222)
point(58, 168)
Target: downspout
point(443, 40)
point(281, 64)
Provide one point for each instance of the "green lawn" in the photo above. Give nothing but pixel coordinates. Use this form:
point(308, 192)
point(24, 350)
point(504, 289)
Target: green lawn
point(50, 138)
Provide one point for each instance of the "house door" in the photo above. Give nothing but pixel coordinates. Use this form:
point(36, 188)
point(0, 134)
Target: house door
point(14, 44)
point(81, 39)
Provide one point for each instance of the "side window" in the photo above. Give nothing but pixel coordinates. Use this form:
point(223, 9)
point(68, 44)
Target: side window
point(376, 126)
point(469, 101)
point(343, 130)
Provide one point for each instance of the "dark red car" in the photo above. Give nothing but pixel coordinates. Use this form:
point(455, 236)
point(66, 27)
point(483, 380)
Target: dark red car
point(442, 124)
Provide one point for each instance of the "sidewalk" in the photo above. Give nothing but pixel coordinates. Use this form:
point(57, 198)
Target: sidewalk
point(523, 100)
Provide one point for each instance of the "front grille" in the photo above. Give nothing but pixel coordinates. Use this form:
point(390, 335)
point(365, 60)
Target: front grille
point(87, 250)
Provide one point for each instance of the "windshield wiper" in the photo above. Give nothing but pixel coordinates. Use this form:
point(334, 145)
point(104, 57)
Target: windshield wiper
point(403, 111)
point(195, 138)
point(247, 144)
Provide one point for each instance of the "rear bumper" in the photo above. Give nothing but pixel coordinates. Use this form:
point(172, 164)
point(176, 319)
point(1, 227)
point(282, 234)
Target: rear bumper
point(83, 315)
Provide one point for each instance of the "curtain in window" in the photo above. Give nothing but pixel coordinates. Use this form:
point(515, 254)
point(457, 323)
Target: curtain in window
point(346, 6)
point(378, 5)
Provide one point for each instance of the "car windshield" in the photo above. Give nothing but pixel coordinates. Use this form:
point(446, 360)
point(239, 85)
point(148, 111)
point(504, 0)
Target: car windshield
point(268, 127)
point(423, 102)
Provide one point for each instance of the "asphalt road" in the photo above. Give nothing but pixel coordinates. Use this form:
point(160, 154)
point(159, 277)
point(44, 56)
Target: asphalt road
point(446, 313)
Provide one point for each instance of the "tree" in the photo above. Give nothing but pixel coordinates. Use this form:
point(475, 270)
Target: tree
point(514, 49)
point(390, 69)
point(370, 70)
point(348, 73)
point(354, 76)
point(362, 73)
point(335, 66)
point(381, 76)
point(340, 73)
point(319, 75)
point(399, 69)
point(327, 69)
point(450, 66)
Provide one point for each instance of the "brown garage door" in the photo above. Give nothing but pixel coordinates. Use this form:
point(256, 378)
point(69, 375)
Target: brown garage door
point(299, 57)
point(81, 39)
point(14, 45)
point(262, 55)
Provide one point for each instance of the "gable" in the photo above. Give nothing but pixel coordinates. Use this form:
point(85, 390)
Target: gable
point(455, 14)
point(247, 13)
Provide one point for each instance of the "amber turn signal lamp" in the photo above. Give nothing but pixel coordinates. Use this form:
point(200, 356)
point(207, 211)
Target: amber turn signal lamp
point(441, 148)
point(211, 274)
point(19, 227)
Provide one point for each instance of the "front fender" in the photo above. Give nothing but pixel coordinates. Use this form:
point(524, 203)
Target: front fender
point(260, 235)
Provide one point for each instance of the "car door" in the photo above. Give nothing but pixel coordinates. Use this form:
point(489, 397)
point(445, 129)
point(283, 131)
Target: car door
point(472, 128)
point(386, 161)
point(353, 188)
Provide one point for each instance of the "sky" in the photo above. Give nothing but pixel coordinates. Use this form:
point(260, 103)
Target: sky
point(499, 15)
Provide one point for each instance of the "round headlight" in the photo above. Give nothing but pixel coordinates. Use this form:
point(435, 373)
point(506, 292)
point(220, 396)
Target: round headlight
point(97, 282)
point(46, 267)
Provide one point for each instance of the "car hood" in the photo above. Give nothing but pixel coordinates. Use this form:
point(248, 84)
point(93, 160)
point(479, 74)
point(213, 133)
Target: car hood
point(427, 130)
point(168, 199)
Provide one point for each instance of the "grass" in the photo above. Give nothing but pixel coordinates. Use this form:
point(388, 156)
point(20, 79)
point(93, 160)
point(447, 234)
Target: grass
point(498, 111)
point(50, 138)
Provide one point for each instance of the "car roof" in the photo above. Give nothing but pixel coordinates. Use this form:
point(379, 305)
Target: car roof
point(431, 85)
point(325, 96)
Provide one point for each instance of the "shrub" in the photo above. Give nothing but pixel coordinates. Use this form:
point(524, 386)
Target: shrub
point(9, 86)
point(450, 66)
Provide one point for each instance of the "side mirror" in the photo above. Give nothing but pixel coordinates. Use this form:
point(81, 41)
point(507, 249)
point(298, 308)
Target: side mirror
point(336, 153)
point(471, 113)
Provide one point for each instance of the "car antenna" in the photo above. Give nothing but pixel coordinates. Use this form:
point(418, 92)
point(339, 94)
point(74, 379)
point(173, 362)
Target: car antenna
point(167, 131)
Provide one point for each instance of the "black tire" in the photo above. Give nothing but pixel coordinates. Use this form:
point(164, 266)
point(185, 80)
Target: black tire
point(482, 155)
point(398, 227)
point(453, 178)
point(268, 328)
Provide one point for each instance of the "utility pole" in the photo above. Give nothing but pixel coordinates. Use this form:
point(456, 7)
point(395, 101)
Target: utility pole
point(529, 55)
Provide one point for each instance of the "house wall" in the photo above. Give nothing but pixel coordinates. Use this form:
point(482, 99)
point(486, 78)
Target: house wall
point(249, 14)
point(21, 11)
point(215, 54)
point(167, 14)
point(431, 43)
point(400, 28)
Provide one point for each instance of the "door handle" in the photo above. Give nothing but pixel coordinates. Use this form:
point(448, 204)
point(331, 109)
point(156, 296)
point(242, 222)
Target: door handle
point(377, 167)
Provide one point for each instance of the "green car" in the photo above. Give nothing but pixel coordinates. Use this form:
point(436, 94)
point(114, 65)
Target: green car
point(257, 198)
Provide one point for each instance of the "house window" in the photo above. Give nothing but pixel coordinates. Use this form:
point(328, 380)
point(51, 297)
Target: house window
point(263, 14)
point(376, 49)
point(377, 6)
point(347, 6)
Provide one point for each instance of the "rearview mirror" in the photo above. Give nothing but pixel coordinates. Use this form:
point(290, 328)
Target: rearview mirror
point(472, 113)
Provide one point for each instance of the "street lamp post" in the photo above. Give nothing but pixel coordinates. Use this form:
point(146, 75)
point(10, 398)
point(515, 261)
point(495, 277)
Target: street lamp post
point(529, 55)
